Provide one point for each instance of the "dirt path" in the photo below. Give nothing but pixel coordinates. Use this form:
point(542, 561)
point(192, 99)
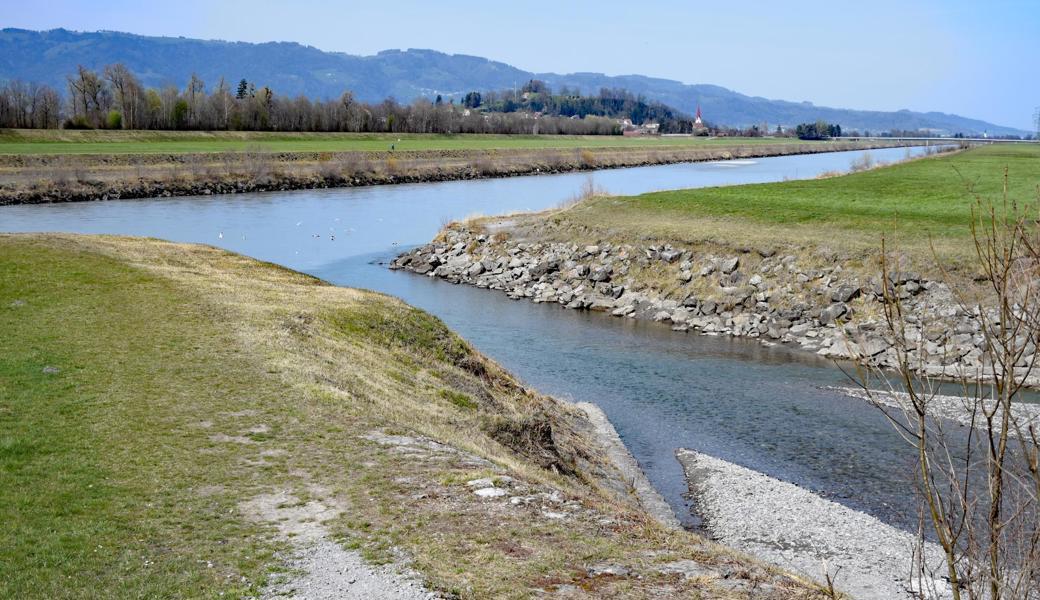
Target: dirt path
point(320, 568)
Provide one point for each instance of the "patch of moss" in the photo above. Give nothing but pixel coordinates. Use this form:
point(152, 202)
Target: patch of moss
point(458, 398)
point(396, 325)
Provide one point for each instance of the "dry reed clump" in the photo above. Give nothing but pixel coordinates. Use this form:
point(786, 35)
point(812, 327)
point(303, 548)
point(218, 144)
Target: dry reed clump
point(586, 158)
point(59, 174)
point(483, 167)
point(257, 164)
point(232, 163)
point(330, 172)
point(196, 166)
point(862, 162)
point(588, 190)
point(554, 160)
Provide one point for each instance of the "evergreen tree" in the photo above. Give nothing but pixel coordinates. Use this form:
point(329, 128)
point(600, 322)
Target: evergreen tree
point(243, 86)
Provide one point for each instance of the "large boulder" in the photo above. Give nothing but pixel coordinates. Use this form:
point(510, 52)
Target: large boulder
point(545, 266)
point(600, 274)
point(844, 293)
point(670, 255)
point(729, 265)
point(831, 314)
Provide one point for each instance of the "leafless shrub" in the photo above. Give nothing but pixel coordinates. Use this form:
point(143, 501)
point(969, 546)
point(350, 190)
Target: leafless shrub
point(56, 172)
point(330, 171)
point(137, 167)
point(349, 165)
point(257, 164)
point(231, 162)
point(586, 158)
point(862, 162)
point(978, 490)
point(554, 160)
point(588, 191)
point(483, 166)
point(194, 164)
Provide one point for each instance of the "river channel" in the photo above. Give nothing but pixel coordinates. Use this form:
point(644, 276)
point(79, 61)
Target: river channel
point(765, 408)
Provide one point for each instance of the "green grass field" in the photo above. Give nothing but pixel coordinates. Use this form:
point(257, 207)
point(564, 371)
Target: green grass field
point(98, 461)
point(918, 201)
point(174, 142)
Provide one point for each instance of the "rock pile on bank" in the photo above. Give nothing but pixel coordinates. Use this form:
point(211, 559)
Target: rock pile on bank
point(756, 293)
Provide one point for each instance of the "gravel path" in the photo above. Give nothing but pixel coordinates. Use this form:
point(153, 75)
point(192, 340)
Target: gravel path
point(320, 568)
point(795, 529)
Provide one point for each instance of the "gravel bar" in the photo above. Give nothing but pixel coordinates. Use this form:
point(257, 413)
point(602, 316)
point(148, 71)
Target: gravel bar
point(793, 528)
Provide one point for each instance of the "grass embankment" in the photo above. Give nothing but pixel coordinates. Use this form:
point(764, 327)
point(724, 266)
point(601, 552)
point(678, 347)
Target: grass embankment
point(49, 141)
point(149, 390)
point(913, 204)
point(66, 166)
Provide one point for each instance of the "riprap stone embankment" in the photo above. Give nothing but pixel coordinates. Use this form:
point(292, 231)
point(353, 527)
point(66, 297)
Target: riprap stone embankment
point(810, 302)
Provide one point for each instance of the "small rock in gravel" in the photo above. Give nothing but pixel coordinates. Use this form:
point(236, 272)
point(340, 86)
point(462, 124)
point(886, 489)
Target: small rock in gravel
point(689, 569)
point(490, 492)
point(608, 569)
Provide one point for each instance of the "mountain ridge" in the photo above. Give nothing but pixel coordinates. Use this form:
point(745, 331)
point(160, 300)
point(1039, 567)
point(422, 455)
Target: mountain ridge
point(291, 68)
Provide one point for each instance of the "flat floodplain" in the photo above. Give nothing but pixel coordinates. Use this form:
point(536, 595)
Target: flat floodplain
point(919, 202)
point(182, 142)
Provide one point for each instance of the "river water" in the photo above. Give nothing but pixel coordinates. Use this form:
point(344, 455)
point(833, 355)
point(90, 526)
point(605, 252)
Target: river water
point(764, 408)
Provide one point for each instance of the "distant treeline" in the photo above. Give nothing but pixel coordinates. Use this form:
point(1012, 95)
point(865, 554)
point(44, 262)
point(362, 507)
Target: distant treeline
point(537, 97)
point(820, 130)
point(115, 99)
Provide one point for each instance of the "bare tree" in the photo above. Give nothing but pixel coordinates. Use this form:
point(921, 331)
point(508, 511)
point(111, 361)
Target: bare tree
point(194, 93)
point(979, 490)
point(127, 92)
point(88, 96)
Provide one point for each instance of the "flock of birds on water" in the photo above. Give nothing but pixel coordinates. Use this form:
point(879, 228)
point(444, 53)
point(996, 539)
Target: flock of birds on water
point(332, 236)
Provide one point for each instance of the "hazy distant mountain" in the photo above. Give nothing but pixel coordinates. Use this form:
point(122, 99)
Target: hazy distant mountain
point(291, 69)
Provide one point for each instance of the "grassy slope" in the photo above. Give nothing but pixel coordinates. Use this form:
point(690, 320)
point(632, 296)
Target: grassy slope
point(124, 142)
point(124, 473)
point(911, 202)
point(94, 488)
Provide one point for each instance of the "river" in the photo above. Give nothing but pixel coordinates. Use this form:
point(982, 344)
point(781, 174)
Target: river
point(763, 408)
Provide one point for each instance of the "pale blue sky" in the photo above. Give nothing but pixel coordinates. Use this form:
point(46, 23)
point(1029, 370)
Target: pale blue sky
point(978, 59)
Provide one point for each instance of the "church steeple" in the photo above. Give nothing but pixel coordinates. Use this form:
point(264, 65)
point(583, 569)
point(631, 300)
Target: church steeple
point(697, 121)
